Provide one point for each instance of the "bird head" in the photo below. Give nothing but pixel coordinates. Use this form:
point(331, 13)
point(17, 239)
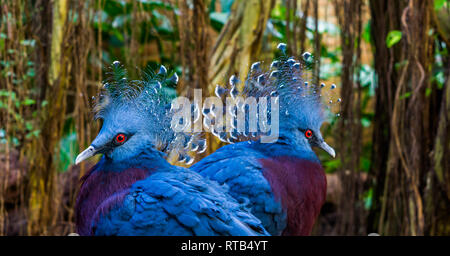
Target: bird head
point(303, 105)
point(303, 119)
point(134, 114)
point(123, 134)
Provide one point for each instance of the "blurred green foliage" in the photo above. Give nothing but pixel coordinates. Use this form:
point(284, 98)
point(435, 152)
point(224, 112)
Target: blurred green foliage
point(393, 37)
point(22, 126)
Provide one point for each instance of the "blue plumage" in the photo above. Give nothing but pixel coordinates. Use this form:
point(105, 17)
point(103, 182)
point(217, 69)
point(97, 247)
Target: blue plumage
point(174, 201)
point(237, 166)
point(133, 190)
point(282, 182)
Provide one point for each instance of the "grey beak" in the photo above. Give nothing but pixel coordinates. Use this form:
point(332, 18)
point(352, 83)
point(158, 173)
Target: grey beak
point(327, 149)
point(89, 152)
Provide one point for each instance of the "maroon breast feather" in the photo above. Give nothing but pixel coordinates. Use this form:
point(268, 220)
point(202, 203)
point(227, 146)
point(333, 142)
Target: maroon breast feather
point(100, 192)
point(301, 186)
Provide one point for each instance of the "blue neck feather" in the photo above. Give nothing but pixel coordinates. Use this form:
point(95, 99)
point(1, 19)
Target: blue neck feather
point(287, 145)
point(144, 158)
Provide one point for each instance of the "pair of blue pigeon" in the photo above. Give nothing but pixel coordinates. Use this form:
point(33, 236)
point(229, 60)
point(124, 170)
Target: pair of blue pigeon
point(246, 188)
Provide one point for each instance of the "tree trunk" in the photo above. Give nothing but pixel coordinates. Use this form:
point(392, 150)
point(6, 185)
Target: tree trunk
point(42, 204)
point(240, 41)
point(408, 165)
point(237, 46)
point(351, 212)
point(385, 17)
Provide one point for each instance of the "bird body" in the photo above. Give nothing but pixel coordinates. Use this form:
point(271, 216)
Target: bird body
point(152, 197)
point(283, 182)
point(284, 188)
point(300, 185)
point(133, 190)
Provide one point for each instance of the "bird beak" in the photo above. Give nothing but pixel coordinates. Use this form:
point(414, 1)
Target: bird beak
point(327, 149)
point(89, 152)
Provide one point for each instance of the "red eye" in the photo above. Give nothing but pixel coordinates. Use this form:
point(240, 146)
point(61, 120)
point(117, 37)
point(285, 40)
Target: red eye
point(120, 138)
point(308, 134)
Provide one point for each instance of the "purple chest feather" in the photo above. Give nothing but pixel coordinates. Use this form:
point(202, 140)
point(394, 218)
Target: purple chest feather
point(301, 186)
point(101, 191)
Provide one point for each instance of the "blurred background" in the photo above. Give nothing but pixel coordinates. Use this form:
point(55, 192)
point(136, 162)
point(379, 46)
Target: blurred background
point(390, 60)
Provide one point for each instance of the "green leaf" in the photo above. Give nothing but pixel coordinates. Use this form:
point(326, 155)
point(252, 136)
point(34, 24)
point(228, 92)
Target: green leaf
point(114, 8)
point(366, 35)
point(438, 4)
point(218, 20)
point(68, 150)
point(393, 37)
point(32, 134)
point(364, 164)
point(31, 72)
point(29, 126)
point(28, 42)
point(368, 196)
point(226, 5)
point(365, 122)
point(163, 25)
point(332, 165)
point(278, 12)
point(272, 29)
point(28, 102)
point(4, 93)
point(428, 92)
point(405, 96)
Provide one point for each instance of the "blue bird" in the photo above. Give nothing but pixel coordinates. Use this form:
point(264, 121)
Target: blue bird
point(283, 183)
point(133, 190)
